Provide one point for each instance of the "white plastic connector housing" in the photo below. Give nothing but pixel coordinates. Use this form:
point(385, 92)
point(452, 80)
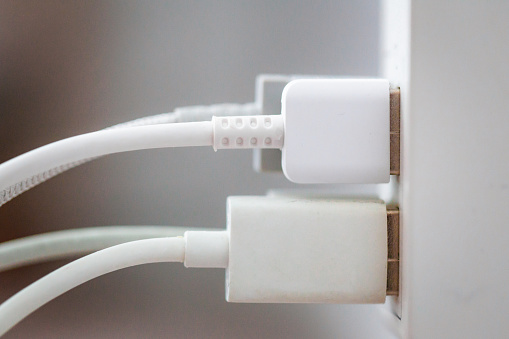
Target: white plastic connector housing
point(287, 250)
point(336, 131)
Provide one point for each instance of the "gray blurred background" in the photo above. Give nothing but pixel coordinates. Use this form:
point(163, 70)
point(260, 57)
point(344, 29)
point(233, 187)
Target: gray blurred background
point(70, 67)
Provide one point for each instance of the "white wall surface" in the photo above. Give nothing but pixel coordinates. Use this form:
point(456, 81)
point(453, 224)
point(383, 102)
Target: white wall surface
point(451, 60)
point(73, 67)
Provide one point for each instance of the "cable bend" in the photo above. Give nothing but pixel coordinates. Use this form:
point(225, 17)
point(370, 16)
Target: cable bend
point(182, 114)
point(95, 144)
point(87, 268)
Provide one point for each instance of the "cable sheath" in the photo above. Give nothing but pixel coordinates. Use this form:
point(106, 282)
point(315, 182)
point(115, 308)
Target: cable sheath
point(103, 142)
point(75, 242)
point(87, 268)
point(182, 114)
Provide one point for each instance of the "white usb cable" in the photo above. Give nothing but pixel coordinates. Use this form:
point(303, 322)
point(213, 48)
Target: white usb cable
point(210, 250)
point(225, 132)
point(75, 242)
point(82, 270)
point(329, 131)
point(274, 249)
point(181, 114)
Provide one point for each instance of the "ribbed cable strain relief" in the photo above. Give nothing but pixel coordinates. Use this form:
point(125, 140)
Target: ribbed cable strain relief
point(242, 132)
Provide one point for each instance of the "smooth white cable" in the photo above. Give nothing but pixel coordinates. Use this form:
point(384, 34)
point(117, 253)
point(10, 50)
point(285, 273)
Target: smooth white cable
point(101, 143)
point(163, 118)
point(214, 254)
point(87, 268)
point(69, 243)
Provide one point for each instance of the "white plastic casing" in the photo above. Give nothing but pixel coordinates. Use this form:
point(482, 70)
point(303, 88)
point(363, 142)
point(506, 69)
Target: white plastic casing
point(206, 249)
point(287, 250)
point(336, 131)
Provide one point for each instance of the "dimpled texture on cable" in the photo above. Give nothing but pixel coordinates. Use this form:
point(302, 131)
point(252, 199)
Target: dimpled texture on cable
point(255, 131)
point(183, 114)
